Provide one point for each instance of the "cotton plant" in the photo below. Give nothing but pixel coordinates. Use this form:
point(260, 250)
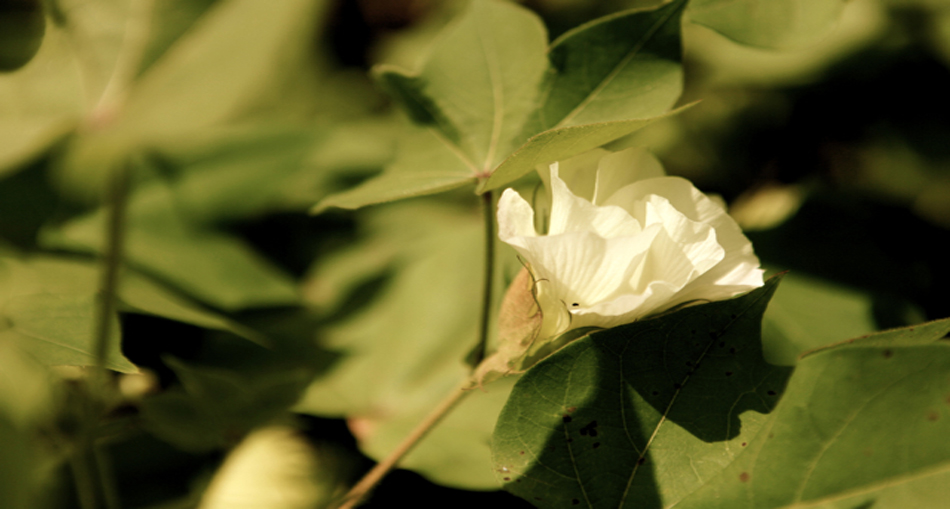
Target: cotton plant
point(623, 361)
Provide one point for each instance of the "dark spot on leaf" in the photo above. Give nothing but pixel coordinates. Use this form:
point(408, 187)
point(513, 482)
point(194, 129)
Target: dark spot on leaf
point(932, 416)
point(728, 373)
point(655, 393)
point(571, 409)
point(744, 444)
point(713, 335)
point(575, 501)
point(552, 448)
point(771, 435)
point(888, 354)
point(732, 350)
point(689, 363)
point(744, 476)
point(771, 393)
point(507, 478)
point(596, 445)
point(692, 331)
point(590, 429)
point(575, 304)
point(677, 386)
point(570, 440)
point(539, 499)
point(722, 344)
point(521, 453)
point(566, 418)
point(641, 461)
point(735, 316)
point(517, 480)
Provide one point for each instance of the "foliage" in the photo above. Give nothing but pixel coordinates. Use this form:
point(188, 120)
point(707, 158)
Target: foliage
point(243, 252)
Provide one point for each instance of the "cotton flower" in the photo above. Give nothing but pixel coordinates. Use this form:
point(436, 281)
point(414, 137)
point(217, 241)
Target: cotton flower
point(623, 242)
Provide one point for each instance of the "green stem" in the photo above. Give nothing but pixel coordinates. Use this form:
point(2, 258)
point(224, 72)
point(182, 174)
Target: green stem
point(112, 263)
point(359, 492)
point(488, 208)
point(84, 477)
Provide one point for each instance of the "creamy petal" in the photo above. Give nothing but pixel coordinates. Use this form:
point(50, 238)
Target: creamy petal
point(515, 217)
point(570, 213)
point(619, 169)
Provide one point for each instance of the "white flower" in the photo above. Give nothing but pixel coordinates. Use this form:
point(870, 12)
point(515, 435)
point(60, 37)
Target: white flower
point(624, 242)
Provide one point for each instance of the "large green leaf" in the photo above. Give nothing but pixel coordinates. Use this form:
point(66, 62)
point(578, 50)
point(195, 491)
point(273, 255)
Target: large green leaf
point(858, 426)
point(640, 415)
point(768, 24)
point(479, 83)
point(606, 79)
point(619, 67)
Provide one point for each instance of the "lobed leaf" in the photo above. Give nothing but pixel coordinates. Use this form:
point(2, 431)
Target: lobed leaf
point(640, 415)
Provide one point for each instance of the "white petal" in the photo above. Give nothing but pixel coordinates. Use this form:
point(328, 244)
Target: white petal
point(622, 168)
point(570, 213)
point(515, 217)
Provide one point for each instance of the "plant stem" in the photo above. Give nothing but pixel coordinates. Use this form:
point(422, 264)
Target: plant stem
point(488, 208)
point(84, 478)
point(112, 263)
point(359, 492)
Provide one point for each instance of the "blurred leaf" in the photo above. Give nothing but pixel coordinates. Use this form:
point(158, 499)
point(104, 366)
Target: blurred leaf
point(809, 313)
point(235, 172)
point(479, 83)
point(40, 102)
point(640, 414)
point(51, 321)
point(218, 68)
point(861, 426)
point(404, 352)
point(914, 335)
point(619, 67)
point(27, 398)
point(776, 24)
point(163, 240)
point(216, 407)
point(21, 31)
point(273, 468)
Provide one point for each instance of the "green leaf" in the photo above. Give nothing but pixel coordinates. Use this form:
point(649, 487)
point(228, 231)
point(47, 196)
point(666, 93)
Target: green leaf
point(21, 31)
point(809, 313)
point(861, 426)
point(163, 241)
point(40, 102)
point(479, 83)
point(218, 68)
point(404, 352)
point(562, 143)
point(215, 407)
point(424, 165)
point(640, 415)
point(51, 321)
point(27, 399)
point(619, 67)
point(775, 24)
